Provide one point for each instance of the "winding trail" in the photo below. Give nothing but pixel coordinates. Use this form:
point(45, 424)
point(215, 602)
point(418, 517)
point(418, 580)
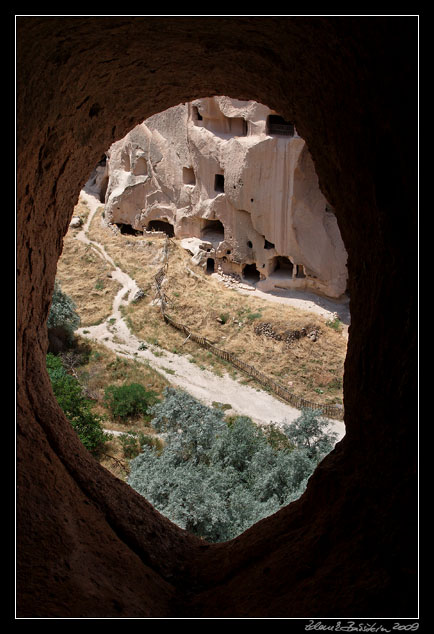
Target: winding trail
point(114, 333)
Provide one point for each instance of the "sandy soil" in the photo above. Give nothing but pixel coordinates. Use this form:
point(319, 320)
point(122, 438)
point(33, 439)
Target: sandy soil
point(179, 371)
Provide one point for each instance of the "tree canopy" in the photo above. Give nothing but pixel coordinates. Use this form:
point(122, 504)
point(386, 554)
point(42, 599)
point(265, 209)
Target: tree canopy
point(214, 477)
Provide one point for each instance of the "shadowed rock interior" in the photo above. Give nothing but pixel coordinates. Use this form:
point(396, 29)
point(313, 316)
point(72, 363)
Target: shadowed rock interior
point(87, 544)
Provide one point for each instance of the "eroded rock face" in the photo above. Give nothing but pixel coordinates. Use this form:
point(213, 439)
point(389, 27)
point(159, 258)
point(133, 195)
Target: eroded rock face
point(237, 174)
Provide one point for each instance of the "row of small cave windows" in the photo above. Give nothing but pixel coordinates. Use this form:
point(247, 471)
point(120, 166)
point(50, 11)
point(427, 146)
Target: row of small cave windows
point(216, 226)
point(189, 178)
point(250, 271)
point(276, 125)
point(167, 227)
point(281, 263)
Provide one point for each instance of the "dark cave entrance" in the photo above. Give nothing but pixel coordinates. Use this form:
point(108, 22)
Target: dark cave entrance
point(251, 273)
point(213, 230)
point(276, 125)
point(283, 265)
point(127, 230)
point(161, 225)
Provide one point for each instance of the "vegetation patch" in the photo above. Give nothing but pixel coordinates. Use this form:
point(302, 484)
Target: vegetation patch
point(216, 477)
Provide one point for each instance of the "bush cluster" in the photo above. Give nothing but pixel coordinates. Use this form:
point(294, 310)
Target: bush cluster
point(128, 401)
point(214, 478)
point(76, 407)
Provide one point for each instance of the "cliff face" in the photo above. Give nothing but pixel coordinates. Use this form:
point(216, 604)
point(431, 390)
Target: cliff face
point(237, 175)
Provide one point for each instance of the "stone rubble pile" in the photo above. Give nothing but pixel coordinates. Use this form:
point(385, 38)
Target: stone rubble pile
point(233, 280)
point(289, 336)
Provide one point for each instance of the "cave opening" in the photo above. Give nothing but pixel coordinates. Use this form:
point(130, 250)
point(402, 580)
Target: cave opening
point(282, 265)
point(300, 271)
point(219, 183)
point(73, 481)
point(251, 273)
point(127, 230)
point(196, 114)
point(213, 230)
point(276, 125)
point(188, 176)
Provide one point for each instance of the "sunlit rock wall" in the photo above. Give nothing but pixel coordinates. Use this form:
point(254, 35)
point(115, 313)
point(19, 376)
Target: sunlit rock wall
point(219, 159)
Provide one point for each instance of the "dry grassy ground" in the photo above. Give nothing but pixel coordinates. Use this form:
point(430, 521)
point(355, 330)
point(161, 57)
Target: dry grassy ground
point(313, 370)
point(83, 275)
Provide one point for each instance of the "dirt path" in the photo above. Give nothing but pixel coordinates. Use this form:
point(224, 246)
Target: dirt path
point(179, 370)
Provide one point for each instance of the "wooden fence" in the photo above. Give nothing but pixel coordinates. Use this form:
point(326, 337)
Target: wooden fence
point(330, 411)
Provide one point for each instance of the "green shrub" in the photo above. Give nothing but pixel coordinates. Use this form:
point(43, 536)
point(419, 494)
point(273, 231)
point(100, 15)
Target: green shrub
point(132, 443)
point(128, 401)
point(76, 407)
point(336, 324)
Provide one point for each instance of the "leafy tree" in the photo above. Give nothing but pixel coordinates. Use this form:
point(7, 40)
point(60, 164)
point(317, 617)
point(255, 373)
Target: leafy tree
point(128, 401)
point(308, 432)
point(216, 479)
point(76, 407)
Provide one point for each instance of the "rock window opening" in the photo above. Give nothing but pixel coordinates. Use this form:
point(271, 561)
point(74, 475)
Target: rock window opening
point(219, 183)
point(268, 245)
point(251, 273)
point(300, 271)
point(161, 225)
point(140, 167)
point(127, 230)
point(237, 126)
point(276, 125)
point(210, 265)
point(249, 244)
point(188, 176)
point(196, 114)
point(103, 188)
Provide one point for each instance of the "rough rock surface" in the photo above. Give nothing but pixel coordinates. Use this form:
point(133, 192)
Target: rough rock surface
point(221, 169)
point(87, 545)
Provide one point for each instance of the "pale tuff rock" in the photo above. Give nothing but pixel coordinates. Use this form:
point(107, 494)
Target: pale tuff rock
point(76, 222)
point(238, 186)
